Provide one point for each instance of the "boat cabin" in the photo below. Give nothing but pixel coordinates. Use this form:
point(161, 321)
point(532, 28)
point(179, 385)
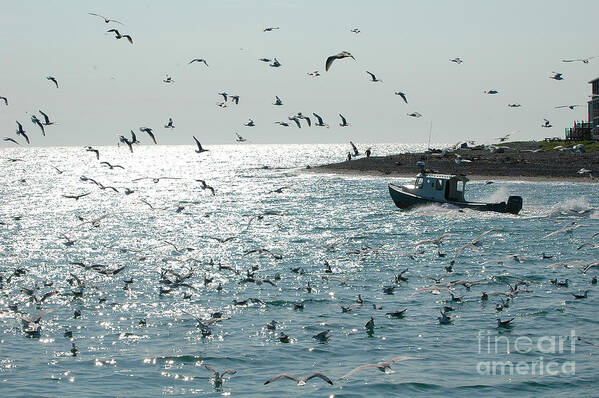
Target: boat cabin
point(439, 187)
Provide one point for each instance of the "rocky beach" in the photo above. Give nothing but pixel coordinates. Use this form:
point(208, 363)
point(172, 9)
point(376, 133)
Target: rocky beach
point(529, 160)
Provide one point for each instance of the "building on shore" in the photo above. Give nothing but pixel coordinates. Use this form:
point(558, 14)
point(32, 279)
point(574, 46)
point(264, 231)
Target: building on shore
point(584, 131)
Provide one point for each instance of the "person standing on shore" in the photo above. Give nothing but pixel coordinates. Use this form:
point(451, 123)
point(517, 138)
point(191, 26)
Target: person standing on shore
point(349, 156)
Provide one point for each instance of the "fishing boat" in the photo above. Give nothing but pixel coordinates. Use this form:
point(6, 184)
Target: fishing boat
point(430, 188)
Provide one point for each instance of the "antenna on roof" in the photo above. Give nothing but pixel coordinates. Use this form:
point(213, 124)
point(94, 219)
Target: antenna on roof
point(430, 132)
point(428, 147)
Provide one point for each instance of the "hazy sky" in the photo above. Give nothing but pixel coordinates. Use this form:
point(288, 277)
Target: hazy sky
point(108, 87)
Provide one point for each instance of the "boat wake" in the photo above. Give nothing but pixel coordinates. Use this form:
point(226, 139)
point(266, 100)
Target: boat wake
point(575, 207)
point(496, 196)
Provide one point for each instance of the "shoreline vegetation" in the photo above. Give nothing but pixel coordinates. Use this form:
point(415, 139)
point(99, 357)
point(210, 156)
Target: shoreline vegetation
point(519, 161)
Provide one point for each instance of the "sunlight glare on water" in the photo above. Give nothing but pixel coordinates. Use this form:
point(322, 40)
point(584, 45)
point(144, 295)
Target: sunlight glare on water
point(135, 341)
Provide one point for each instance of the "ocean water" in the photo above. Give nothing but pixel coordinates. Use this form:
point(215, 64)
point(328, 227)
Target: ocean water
point(348, 221)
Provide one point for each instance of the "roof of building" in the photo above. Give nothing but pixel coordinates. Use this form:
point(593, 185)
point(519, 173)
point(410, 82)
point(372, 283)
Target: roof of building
point(594, 80)
point(444, 176)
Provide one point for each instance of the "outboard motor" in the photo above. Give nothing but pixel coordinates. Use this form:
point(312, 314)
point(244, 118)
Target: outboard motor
point(514, 204)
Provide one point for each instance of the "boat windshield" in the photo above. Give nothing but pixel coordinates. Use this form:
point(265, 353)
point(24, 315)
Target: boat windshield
point(419, 182)
point(460, 186)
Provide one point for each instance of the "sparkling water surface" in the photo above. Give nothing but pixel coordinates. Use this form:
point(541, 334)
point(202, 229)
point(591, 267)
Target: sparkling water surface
point(349, 221)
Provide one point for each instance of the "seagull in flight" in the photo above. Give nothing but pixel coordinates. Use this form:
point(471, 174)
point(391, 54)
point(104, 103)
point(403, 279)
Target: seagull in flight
point(90, 149)
point(301, 381)
point(341, 55)
point(5, 100)
point(382, 366)
point(35, 120)
point(567, 229)
point(149, 132)
point(343, 121)
point(437, 241)
point(76, 197)
point(269, 29)
point(457, 60)
point(296, 120)
point(547, 123)
point(373, 77)
point(200, 149)
point(319, 122)
point(492, 92)
point(218, 377)
point(476, 242)
point(53, 79)
point(571, 107)
point(124, 140)
point(514, 105)
point(414, 114)
point(556, 76)
point(277, 101)
point(11, 140)
point(170, 124)
point(113, 166)
point(240, 138)
point(47, 121)
point(198, 60)
point(504, 138)
point(206, 186)
point(107, 20)
point(355, 149)
point(20, 131)
point(118, 35)
point(402, 95)
point(355, 30)
point(583, 60)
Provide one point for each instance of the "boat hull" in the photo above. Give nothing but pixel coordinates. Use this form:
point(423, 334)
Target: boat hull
point(406, 200)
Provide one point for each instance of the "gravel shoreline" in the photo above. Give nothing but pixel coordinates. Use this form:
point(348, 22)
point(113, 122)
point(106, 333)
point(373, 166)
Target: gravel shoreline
point(517, 163)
